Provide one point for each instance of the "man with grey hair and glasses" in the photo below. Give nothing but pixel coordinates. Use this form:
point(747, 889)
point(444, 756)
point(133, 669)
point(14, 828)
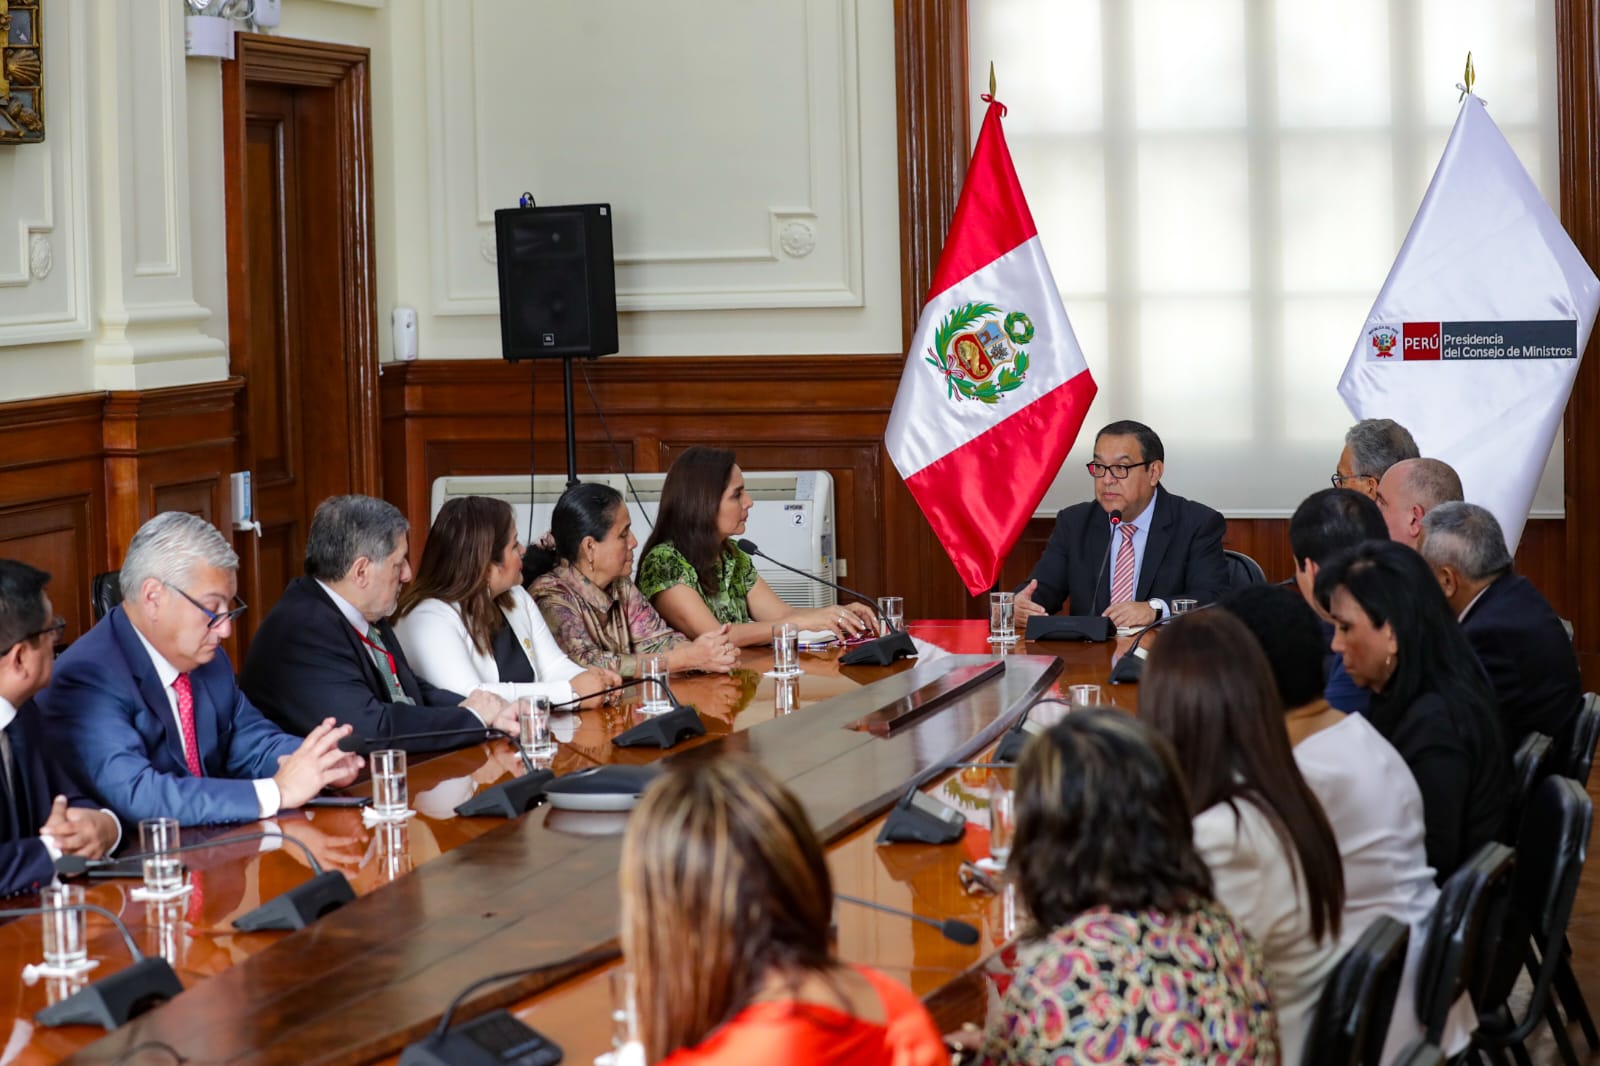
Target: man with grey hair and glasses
point(144, 707)
point(1519, 638)
point(327, 647)
point(1371, 447)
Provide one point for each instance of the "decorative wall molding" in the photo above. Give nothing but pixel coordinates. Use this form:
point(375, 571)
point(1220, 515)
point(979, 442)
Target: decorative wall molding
point(685, 240)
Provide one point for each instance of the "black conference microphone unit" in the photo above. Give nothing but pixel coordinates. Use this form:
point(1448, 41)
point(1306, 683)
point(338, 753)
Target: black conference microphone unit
point(111, 1001)
point(328, 890)
point(1130, 667)
point(367, 745)
point(495, 1038)
point(1009, 750)
point(658, 731)
point(878, 652)
point(952, 928)
point(1092, 626)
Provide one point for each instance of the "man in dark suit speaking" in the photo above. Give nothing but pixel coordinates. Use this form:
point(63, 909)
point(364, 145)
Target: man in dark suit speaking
point(1166, 547)
point(144, 709)
point(1518, 637)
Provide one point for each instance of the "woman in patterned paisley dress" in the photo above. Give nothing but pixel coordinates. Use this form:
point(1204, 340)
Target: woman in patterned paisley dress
point(1130, 959)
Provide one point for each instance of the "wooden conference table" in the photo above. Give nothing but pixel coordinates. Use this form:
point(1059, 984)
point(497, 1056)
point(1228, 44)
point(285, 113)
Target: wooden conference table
point(445, 900)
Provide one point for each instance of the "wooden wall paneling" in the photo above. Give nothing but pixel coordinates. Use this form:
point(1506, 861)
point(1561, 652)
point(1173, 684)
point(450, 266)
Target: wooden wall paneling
point(1578, 126)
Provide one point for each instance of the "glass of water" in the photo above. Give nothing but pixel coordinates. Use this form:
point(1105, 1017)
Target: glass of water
point(786, 650)
point(654, 671)
point(1002, 618)
point(163, 869)
point(64, 944)
point(892, 610)
point(1183, 606)
point(1002, 823)
point(1084, 696)
point(390, 798)
point(533, 727)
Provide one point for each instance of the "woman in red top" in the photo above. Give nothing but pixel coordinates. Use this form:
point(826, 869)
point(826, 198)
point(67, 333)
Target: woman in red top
point(726, 902)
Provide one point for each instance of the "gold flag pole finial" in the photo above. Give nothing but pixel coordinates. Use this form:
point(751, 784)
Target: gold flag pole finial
point(991, 77)
point(1471, 75)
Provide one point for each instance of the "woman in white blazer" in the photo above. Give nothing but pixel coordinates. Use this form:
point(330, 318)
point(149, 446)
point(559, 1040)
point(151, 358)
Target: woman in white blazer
point(465, 621)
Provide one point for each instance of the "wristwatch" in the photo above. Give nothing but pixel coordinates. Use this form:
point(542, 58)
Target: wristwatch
point(1159, 606)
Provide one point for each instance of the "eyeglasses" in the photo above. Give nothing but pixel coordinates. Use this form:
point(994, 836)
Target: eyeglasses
point(1117, 470)
point(1338, 480)
point(214, 619)
point(57, 626)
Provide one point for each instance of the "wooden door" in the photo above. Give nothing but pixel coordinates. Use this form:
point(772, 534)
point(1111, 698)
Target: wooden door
point(301, 321)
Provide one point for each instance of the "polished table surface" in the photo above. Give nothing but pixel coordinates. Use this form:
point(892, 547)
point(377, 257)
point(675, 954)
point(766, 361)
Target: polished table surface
point(453, 899)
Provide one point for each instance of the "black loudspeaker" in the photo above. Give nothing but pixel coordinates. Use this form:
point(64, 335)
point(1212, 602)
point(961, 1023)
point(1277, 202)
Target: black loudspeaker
point(509, 798)
point(558, 282)
point(301, 905)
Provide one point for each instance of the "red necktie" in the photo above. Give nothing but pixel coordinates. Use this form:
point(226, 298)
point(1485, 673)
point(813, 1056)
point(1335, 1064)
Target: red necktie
point(191, 746)
point(1122, 576)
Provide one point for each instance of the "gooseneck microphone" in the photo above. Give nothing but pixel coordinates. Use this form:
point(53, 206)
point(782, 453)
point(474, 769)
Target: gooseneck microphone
point(953, 928)
point(499, 1030)
point(111, 1001)
point(367, 745)
point(1094, 597)
point(880, 651)
point(1009, 750)
point(328, 890)
point(664, 730)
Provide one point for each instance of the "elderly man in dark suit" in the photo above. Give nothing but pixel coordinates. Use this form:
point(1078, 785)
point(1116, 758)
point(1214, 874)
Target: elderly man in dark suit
point(144, 707)
point(42, 814)
point(327, 645)
point(1166, 547)
point(1519, 638)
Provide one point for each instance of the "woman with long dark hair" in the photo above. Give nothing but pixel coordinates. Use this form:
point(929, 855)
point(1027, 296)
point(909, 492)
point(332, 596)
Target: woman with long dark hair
point(1129, 957)
point(467, 624)
point(584, 588)
point(1208, 688)
point(699, 579)
point(1430, 698)
point(726, 907)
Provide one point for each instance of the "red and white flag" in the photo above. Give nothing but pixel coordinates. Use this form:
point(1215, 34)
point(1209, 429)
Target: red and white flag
point(995, 386)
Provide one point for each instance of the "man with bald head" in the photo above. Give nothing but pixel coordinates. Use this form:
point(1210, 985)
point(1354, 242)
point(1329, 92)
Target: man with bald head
point(1371, 447)
point(1518, 637)
point(1410, 489)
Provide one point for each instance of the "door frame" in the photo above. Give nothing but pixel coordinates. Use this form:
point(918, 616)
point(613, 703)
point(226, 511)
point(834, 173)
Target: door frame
point(345, 69)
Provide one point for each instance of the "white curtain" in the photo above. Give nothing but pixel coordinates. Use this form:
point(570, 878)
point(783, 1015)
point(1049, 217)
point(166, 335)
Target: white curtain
point(1221, 187)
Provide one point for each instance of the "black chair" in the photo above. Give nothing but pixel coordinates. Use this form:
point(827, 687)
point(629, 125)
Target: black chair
point(105, 592)
point(1243, 570)
point(1419, 1053)
point(1352, 1017)
point(1577, 757)
point(1551, 848)
point(1530, 765)
point(1465, 923)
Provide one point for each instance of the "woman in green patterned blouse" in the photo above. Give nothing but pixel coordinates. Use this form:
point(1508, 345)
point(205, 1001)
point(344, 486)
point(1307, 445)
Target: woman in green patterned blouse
point(699, 580)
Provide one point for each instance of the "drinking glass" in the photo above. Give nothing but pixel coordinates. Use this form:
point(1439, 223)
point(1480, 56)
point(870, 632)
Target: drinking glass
point(163, 870)
point(786, 650)
point(1002, 615)
point(1084, 696)
point(1002, 823)
point(892, 610)
point(389, 795)
point(1183, 606)
point(533, 727)
point(64, 944)
point(654, 671)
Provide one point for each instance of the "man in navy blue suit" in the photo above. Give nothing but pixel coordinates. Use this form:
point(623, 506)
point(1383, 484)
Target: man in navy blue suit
point(1325, 524)
point(42, 816)
point(145, 706)
point(1518, 636)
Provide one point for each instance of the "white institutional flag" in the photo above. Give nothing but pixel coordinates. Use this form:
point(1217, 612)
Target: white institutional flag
point(1475, 338)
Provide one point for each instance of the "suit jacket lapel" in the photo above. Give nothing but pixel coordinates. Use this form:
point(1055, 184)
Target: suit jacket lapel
point(1156, 544)
point(363, 653)
point(150, 686)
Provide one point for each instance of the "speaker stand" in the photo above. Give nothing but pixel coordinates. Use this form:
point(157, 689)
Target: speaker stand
point(572, 434)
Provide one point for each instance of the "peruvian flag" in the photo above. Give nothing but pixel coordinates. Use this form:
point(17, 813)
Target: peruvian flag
point(995, 387)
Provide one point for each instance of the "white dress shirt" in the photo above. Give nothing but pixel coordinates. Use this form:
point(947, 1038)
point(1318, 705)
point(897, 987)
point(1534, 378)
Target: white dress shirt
point(439, 648)
point(267, 796)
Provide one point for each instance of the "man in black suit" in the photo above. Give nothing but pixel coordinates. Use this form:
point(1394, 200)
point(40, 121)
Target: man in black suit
point(42, 816)
point(1167, 547)
point(1325, 524)
point(1519, 638)
point(326, 648)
